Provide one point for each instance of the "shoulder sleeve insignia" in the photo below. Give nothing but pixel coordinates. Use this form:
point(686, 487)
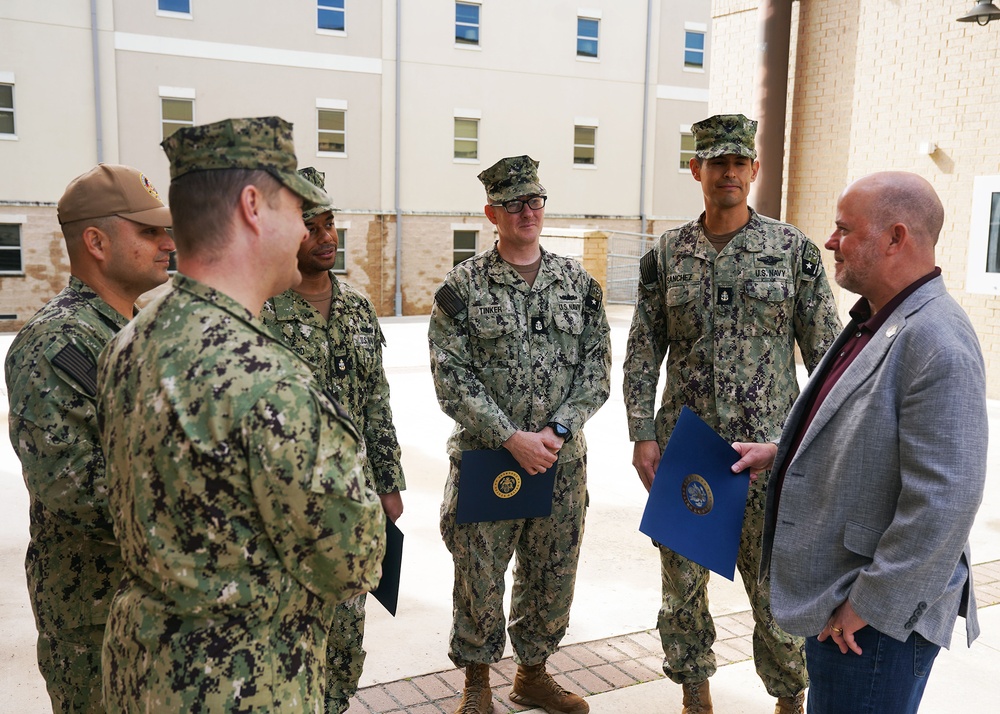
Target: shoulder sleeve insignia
point(595, 296)
point(812, 262)
point(449, 300)
point(648, 269)
point(71, 360)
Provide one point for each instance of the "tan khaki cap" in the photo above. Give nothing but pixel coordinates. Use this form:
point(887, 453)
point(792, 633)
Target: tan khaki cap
point(113, 190)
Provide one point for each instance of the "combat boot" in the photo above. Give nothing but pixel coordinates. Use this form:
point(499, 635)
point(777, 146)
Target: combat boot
point(697, 698)
point(477, 697)
point(534, 687)
point(790, 705)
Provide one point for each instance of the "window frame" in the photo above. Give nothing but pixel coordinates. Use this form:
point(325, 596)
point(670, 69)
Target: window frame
point(176, 94)
point(333, 10)
point(466, 253)
point(341, 228)
point(465, 115)
point(17, 223)
point(685, 166)
point(692, 29)
point(468, 45)
point(585, 123)
point(588, 16)
point(180, 14)
point(7, 80)
point(331, 105)
point(984, 219)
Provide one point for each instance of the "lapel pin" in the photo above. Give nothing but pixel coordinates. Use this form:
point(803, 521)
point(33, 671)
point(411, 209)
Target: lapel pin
point(891, 332)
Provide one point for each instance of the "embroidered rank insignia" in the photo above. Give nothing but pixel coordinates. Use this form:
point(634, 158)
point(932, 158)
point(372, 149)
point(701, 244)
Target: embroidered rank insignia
point(341, 364)
point(811, 260)
point(595, 296)
point(538, 326)
point(724, 295)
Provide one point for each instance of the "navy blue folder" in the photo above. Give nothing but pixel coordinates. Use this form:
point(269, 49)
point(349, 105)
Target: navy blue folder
point(387, 591)
point(492, 486)
point(696, 504)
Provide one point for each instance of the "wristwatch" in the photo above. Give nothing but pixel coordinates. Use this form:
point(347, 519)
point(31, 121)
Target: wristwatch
point(561, 431)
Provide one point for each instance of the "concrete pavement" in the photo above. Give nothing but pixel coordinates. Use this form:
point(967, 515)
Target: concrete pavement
point(611, 644)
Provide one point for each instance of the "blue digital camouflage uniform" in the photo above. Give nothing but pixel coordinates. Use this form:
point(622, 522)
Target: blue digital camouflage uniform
point(241, 509)
point(506, 356)
point(346, 355)
point(72, 565)
point(727, 324)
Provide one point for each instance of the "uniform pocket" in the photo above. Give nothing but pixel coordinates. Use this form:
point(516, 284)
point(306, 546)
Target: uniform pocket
point(767, 306)
point(683, 319)
point(493, 339)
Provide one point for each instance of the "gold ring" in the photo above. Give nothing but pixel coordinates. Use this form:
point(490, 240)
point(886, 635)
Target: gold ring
point(836, 630)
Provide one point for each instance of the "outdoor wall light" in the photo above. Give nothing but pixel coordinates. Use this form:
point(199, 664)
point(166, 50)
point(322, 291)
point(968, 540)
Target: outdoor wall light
point(982, 14)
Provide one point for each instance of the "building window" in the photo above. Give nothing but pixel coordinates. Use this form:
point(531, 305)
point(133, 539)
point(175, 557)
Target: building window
point(330, 15)
point(10, 249)
point(687, 148)
point(466, 23)
point(7, 109)
point(340, 264)
point(175, 113)
point(983, 272)
point(584, 144)
point(694, 49)
point(587, 29)
point(181, 7)
point(466, 138)
point(332, 125)
point(464, 246)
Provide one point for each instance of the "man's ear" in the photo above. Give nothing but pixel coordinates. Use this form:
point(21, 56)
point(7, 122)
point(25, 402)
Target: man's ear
point(491, 213)
point(250, 203)
point(96, 243)
point(899, 235)
point(695, 165)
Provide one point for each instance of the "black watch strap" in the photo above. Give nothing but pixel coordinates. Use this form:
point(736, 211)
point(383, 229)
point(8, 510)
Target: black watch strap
point(560, 430)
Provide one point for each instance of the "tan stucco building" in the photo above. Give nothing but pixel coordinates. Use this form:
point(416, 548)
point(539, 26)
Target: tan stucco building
point(400, 112)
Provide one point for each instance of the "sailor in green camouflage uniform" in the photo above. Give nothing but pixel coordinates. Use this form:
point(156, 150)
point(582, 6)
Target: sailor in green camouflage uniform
point(725, 299)
point(115, 229)
point(520, 356)
point(237, 490)
point(334, 328)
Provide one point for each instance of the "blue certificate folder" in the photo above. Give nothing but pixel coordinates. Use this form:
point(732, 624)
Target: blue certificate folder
point(492, 486)
point(387, 591)
point(695, 506)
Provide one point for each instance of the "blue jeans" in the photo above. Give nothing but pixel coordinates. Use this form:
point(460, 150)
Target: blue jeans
point(888, 677)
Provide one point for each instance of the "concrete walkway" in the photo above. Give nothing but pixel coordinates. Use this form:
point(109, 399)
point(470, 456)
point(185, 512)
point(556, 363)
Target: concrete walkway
point(611, 650)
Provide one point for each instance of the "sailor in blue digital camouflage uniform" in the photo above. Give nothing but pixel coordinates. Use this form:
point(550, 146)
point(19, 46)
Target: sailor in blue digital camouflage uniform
point(724, 299)
point(334, 327)
point(520, 355)
point(114, 225)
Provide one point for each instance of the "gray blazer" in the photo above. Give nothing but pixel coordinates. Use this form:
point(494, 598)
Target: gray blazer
point(879, 499)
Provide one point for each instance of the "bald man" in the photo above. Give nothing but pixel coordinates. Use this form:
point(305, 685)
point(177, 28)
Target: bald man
point(881, 465)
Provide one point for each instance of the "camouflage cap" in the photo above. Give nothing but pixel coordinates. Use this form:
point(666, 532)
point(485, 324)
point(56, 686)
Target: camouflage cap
point(725, 134)
point(261, 143)
point(318, 179)
point(112, 190)
point(511, 177)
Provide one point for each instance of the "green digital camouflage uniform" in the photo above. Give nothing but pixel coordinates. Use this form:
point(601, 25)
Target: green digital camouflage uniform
point(241, 509)
point(506, 356)
point(727, 324)
point(346, 355)
point(72, 565)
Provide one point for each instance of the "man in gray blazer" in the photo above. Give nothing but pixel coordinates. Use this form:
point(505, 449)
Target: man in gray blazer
point(881, 465)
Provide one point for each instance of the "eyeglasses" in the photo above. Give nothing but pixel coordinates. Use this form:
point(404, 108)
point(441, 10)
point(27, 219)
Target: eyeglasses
point(517, 205)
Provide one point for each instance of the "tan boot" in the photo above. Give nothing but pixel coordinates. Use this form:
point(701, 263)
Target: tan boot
point(697, 698)
point(534, 687)
point(790, 705)
point(477, 697)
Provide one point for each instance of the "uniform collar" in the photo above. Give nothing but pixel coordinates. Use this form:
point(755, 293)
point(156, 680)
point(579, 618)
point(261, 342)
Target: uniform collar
point(98, 303)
